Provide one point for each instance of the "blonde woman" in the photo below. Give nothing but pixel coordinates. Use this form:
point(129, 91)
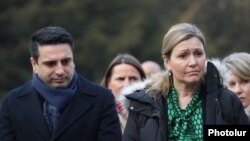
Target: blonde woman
point(176, 104)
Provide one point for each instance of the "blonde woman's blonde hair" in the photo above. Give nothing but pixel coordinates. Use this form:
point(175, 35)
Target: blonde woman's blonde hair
point(176, 34)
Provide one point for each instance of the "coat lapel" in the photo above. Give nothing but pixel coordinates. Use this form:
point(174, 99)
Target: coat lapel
point(76, 108)
point(79, 105)
point(31, 107)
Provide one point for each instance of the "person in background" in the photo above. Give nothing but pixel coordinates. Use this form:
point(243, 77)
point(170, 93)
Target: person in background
point(58, 104)
point(175, 104)
point(150, 67)
point(123, 70)
point(237, 77)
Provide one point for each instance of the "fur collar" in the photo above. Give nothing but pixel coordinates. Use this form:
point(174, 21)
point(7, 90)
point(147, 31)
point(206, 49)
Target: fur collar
point(125, 103)
point(128, 90)
point(218, 64)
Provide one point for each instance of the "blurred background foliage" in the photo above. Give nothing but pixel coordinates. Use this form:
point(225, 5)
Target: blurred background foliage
point(103, 29)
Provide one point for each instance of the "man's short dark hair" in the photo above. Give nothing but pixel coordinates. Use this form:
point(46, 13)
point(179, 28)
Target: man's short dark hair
point(49, 36)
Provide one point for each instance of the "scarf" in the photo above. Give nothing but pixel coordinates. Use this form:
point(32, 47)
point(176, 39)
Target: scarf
point(56, 97)
point(120, 109)
point(185, 125)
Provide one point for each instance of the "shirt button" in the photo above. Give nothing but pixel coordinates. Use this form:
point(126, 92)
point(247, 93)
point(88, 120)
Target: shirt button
point(131, 108)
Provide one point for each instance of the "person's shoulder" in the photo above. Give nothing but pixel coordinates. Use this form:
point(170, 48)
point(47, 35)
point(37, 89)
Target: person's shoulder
point(227, 93)
point(91, 87)
point(15, 92)
point(228, 97)
point(137, 94)
point(232, 108)
point(134, 91)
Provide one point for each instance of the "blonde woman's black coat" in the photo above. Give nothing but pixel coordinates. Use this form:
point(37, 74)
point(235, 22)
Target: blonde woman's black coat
point(147, 119)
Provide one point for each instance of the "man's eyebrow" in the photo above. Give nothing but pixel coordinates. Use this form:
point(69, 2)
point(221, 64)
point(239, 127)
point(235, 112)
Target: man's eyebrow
point(49, 62)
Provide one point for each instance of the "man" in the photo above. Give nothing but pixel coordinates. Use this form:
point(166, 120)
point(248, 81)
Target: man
point(150, 67)
point(58, 104)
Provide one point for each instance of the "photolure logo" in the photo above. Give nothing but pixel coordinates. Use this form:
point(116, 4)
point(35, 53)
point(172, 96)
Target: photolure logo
point(235, 132)
point(215, 132)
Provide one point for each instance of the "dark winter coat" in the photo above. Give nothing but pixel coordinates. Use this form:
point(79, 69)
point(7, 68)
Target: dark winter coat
point(147, 119)
point(90, 116)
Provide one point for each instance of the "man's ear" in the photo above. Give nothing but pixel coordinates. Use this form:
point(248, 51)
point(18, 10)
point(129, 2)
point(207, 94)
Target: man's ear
point(34, 64)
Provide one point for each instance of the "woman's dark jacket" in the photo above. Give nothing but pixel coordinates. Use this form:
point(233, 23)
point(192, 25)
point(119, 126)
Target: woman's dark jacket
point(147, 119)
